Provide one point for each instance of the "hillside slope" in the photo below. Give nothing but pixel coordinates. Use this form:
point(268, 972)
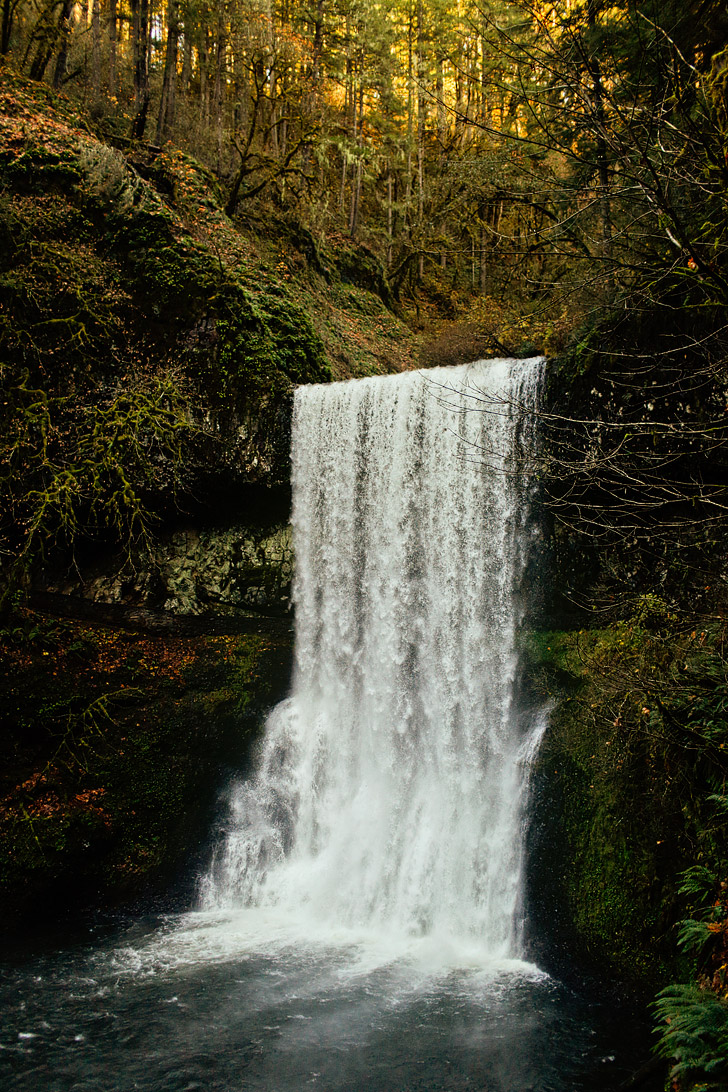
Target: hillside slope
point(148, 351)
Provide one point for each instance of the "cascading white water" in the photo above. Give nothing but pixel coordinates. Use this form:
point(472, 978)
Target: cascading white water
point(390, 787)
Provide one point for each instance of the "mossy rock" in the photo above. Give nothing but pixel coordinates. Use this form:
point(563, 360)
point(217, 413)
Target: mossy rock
point(114, 745)
point(620, 802)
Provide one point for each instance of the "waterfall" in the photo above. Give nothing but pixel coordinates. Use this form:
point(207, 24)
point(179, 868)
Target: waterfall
point(391, 785)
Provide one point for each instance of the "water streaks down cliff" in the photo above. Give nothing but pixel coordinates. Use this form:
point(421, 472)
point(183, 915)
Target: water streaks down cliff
point(390, 787)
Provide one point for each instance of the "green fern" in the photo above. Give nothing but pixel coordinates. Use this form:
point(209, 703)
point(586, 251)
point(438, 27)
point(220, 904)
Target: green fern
point(719, 802)
point(693, 1033)
point(693, 936)
point(699, 881)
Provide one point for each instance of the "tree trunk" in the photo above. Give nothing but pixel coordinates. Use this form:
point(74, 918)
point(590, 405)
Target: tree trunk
point(165, 118)
point(65, 25)
point(342, 189)
point(421, 119)
point(8, 14)
point(483, 249)
point(96, 49)
point(112, 47)
point(217, 92)
point(410, 119)
point(186, 58)
point(484, 111)
point(441, 110)
point(390, 221)
point(355, 199)
point(318, 41)
point(356, 184)
point(272, 77)
point(140, 31)
point(44, 38)
point(601, 146)
point(203, 62)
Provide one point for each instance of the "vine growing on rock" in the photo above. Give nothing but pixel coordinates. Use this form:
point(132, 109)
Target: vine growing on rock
point(72, 471)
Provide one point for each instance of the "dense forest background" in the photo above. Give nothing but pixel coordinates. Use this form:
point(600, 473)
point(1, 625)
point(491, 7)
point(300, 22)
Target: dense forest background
point(555, 160)
point(208, 201)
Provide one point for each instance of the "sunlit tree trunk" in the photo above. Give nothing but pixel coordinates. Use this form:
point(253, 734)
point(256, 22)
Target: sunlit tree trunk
point(186, 74)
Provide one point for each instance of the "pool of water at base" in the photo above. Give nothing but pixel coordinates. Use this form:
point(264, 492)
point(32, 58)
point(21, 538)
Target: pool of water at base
point(226, 1003)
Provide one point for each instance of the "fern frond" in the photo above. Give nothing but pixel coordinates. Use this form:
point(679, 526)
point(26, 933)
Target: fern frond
point(693, 1032)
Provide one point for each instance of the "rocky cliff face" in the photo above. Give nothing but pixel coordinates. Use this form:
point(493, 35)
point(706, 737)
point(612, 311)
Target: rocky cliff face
point(234, 572)
point(630, 781)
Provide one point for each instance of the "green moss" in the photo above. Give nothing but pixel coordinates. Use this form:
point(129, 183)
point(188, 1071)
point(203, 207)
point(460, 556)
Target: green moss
point(107, 298)
point(36, 169)
point(627, 770)
point(111, 746)
point(296, 347)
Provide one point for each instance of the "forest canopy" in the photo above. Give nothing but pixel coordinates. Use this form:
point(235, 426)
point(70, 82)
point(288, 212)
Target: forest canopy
point(549, 159)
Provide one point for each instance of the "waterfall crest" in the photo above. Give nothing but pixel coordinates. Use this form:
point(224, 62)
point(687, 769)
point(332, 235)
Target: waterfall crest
point(390, 786)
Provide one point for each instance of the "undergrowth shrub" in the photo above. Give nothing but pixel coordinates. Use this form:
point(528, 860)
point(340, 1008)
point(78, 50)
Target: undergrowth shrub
point(109, 178)
point(692, 1019)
